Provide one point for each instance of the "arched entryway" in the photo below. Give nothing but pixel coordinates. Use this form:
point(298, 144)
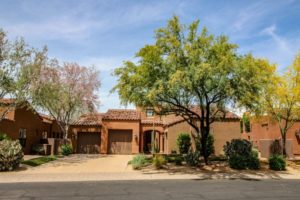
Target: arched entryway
point(153, 142)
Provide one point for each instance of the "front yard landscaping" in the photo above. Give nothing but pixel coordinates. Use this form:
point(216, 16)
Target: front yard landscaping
point(39, 161)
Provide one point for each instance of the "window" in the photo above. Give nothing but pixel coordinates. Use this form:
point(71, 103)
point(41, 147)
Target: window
point(22, 137)
point(44, 135)
point(22, 133)
point(149, 112)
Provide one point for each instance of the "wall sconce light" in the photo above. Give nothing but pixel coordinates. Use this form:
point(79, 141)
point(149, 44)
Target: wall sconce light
point(135, 137)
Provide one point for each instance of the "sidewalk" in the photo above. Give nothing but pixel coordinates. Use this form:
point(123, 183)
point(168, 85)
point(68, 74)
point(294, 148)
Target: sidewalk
point(11, 177)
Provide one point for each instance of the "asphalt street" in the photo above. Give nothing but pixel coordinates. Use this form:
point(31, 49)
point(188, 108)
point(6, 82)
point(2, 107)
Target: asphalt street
point(156, 190)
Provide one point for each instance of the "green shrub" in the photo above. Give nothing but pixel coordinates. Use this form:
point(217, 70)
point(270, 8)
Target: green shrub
point(253, 161)
point(277, 162)
point(11, 155)
point(4, 137)
point(66, 149)
point(193, 158)
point(238, 147)
point(237, 162)
point(158, 161)
point(240, 154)
point(177, 159)
point(139, 161)
point(184, 143)
point(210, 149)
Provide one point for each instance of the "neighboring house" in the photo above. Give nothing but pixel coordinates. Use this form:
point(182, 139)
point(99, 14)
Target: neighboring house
point(125, 131)
point(25, 124)
point(264, 131)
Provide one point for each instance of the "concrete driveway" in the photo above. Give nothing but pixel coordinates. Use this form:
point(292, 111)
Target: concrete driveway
point(83, 163)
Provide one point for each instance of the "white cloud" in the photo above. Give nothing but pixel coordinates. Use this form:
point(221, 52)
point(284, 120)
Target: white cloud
point(280, 41)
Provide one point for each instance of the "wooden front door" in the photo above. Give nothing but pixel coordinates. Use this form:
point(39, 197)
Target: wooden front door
point(88, 143)
point(120, 141)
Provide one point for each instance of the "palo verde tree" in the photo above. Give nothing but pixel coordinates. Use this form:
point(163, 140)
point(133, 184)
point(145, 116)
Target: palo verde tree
point(192, 74)
point(281, 99)
point(19, 65)
point(66, 91)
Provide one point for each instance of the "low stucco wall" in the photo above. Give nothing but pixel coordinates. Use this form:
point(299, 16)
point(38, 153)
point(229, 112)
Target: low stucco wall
point(222, 131)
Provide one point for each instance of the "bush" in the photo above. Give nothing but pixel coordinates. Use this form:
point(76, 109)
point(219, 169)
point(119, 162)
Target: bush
point(11, 155)
point(177, 159)
point(158, 161)
point(277, 162)
point(193, 158)
point(238, 147)
point(237, 162)
point(210, 149)
point(66, 149)
point(184, 143)
point(139, 161)
point(4, 137)
point(240, 154)
point(253, 161)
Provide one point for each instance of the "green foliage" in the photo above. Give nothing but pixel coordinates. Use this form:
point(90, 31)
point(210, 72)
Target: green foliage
point(238, 147)
point(193, 158)
point(139, 161)
point(246, 122)
point(210, 149)
point(19, 65)
point(11, 155)
point(184, 143)
point(237, 162)
point(240, 155)
point(39, 161)
point(159, 161)
point(177, 159)
point(3, 136)
point(66, 149)
point(253, 161)
point(277, 162)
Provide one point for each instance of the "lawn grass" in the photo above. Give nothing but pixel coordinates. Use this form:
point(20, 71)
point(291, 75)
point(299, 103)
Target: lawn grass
point(39, 161)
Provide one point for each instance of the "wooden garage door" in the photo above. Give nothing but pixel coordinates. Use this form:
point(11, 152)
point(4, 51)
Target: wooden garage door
point(88, 143)
point(120, 141)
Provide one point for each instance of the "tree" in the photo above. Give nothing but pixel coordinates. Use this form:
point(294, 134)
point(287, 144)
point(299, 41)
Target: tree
point(281, 99)
point(193, 75)
point(19, 65)
point(66, 91)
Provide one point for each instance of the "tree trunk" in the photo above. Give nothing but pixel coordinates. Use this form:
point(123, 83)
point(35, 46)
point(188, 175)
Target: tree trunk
point(283, 146)
point(66, 131)
point(203, 150)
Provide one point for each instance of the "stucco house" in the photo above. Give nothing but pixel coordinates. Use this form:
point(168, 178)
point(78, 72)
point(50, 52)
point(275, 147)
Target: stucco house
point(26, 125)
point(129, 131)
point(264, 131)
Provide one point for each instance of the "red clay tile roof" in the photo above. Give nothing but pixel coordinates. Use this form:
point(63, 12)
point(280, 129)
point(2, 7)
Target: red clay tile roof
point(91, 119)
point(121, 114)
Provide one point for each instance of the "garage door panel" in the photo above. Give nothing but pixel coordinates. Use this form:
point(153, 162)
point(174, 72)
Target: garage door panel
point(120, 141)
point(88, 143)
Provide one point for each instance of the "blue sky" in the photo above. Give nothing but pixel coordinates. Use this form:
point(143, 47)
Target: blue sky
point(105, 33)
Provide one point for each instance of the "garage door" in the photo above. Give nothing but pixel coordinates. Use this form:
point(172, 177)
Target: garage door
point(120, 141)
point(88, 143)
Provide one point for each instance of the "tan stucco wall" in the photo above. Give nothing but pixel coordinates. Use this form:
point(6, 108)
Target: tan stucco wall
point(222, 131)
point(120, 125)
